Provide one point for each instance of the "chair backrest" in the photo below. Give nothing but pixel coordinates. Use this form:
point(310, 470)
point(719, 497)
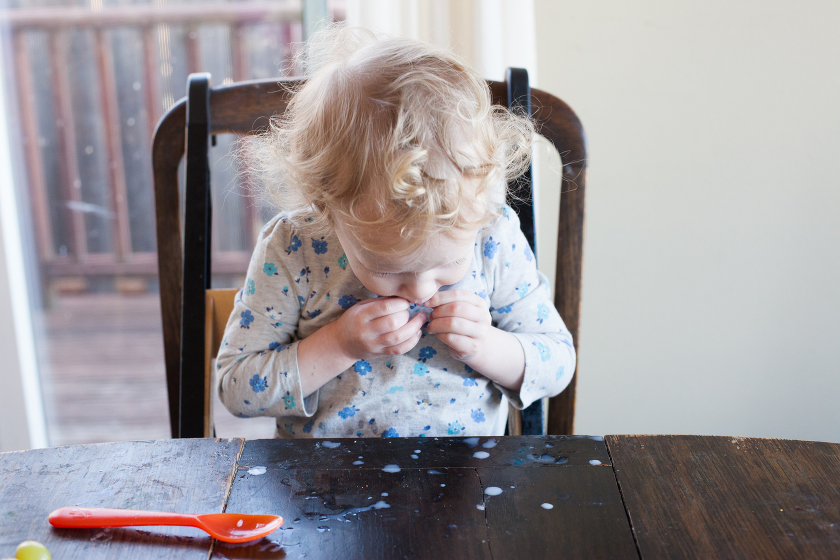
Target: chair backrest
point(245, 108)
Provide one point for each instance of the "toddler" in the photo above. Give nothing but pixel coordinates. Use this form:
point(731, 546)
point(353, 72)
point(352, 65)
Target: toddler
point(394, 294)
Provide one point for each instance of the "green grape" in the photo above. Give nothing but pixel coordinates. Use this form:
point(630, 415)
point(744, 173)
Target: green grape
point(32, 550)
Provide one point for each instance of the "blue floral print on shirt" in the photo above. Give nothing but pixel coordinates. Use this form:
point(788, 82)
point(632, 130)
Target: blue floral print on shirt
point(545, 353)
point(294, 245)
point(542, 312)
point(320, 246)
point(288, 401)
point(258, 384)
point(347, 301)
point(490, 248)
point(427, 353)
point(278, 347)
point(347, 412)
point(455, 428)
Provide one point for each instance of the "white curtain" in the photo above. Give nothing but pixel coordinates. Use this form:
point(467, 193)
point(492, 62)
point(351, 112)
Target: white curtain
point(491, 35)
point(22, 423)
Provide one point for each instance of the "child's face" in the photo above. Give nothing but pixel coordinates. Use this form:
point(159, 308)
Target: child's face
point(441, 261)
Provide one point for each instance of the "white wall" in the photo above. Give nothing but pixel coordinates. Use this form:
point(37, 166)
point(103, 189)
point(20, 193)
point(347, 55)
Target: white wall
point(711, 297)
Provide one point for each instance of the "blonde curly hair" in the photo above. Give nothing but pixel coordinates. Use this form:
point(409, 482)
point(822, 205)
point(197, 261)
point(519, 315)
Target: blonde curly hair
point(388, 135)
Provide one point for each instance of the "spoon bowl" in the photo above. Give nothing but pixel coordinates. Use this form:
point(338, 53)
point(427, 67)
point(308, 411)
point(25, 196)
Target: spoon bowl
point(236, 527)
point(227, 527)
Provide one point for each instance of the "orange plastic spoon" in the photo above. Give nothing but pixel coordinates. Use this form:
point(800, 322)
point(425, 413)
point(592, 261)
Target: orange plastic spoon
point(227, 527)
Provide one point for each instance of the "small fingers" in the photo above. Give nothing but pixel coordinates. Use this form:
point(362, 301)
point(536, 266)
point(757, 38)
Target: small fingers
point(449, 296)
point(372, 309)
point(388, 323)
point(457, 325)
point(404, 346)
point(465, 310)
point(397, 337)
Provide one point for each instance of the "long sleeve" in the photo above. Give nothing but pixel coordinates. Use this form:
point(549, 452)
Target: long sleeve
point(257, 362)
point(521, 304)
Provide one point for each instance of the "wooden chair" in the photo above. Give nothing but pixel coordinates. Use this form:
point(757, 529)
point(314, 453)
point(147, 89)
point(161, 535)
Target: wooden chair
point(194, 316)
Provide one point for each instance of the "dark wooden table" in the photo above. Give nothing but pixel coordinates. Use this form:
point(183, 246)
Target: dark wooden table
point(513, 497)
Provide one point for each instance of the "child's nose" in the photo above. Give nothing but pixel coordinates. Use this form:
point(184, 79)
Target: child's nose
point(418, 290)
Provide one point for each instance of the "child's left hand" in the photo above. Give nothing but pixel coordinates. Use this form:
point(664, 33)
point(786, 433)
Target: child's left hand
point(461, 320)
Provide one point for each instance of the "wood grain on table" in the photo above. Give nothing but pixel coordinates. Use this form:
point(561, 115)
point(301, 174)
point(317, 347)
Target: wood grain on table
point(191, 476)
point(341, 500)
point(725, 497)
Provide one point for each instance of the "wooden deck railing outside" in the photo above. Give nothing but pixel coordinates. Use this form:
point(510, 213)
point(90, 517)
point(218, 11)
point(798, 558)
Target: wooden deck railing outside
point(91, 85)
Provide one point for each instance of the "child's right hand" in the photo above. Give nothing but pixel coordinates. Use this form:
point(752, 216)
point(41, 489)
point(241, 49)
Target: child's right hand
point(378, 327)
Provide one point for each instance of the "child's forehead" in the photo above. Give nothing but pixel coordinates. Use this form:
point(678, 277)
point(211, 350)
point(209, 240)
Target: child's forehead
point(433, 254)
point(379, 249)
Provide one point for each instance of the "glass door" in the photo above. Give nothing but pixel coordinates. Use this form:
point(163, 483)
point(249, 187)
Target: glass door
point(86, 84)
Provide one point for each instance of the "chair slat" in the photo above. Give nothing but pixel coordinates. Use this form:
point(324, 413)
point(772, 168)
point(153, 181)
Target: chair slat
point(196, 275)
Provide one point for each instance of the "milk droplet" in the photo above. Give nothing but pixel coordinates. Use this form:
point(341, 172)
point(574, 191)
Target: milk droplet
point(489, 444)
point(481, 454)
point(414, 456)
point(594, 462)
point(256, 470)
point(330, 444)
point(391, 468)
point(546, 506)
point(239, 523)
point(480, 507)
point(385, 494)
point(493, 490)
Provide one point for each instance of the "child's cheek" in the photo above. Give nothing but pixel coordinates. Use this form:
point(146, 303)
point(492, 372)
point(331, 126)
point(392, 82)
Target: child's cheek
point(376, 285)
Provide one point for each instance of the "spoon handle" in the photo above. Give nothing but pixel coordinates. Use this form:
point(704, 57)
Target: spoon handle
point(82, 517)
